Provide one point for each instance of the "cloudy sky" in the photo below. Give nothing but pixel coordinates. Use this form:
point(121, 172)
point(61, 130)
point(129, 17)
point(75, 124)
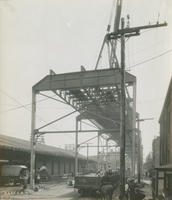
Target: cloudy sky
point(38, 35)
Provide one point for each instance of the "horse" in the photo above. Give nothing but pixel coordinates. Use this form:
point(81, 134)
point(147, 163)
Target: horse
point(106, 192)
point(109, 184)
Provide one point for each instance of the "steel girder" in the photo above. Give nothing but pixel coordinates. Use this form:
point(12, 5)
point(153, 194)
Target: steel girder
point(96, 95)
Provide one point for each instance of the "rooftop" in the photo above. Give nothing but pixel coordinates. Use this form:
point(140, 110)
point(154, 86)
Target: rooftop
point(16, 144)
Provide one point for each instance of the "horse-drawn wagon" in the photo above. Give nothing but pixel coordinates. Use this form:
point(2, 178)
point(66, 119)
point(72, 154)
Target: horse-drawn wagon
point(89, 183)
point(92, 183)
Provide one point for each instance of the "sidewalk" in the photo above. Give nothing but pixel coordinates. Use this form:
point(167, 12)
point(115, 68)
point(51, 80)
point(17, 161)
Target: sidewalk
point(147, 189)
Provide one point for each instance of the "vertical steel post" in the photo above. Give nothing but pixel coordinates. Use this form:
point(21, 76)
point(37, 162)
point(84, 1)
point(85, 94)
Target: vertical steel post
point(134, 132)
point(115, 160)
point(106, 153)
point(123, 119)
point(98, 143)
point(87, 153)
point(33, 142)
point(139, 150)
point(76, 148)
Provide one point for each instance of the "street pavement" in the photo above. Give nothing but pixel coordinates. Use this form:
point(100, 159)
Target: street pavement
point(52, 191)
point(49, 191)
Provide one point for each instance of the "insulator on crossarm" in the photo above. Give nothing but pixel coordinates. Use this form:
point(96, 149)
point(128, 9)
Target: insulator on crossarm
point(128, 21)
point(108, 28)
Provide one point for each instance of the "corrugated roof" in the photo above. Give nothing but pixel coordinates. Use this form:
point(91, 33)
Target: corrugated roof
point(8, 142)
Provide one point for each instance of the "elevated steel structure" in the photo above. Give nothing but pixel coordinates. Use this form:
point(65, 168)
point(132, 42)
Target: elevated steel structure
point(95, 95)
point(106, 97)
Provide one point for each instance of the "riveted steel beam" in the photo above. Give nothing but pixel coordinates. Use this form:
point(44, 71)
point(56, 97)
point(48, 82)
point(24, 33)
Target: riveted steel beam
point(84, 79)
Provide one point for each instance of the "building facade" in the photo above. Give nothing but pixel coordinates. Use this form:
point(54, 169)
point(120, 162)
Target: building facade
point(163, 180)
point(156, 152)
point(57, 161)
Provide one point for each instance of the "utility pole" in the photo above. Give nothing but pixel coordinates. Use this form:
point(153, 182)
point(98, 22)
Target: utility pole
point(126, 33)
point(111, 40)
point(122, 34)
point(123, 119)
point(140, 145)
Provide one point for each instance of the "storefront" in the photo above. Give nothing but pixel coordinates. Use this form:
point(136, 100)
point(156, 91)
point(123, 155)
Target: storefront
point(162, 181)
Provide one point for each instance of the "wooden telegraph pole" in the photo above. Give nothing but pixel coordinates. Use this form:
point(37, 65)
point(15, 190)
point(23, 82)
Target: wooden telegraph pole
point(122, 34)
point(123, 119)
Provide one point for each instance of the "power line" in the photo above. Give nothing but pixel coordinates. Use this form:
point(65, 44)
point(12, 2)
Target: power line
point(21, 105)
point(24, 106)
point(133, 66)
point(152, 58)
point(147, 47)
point(14, 99)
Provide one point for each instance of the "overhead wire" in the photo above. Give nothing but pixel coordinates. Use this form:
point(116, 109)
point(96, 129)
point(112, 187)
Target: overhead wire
point(29, 104)
point(41, 117)
point(150, 59)
point(21, 105)
point(25, 107)
point(14, 99)
point(147, 47)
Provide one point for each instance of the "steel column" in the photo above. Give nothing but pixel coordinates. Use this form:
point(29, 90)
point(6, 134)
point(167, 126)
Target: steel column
point(33, 141)
point(139, 150)
point(107, 153)
point(115, 159)
point(87, 153)
point(134, 127)
point(76, 148)
point(98, 144)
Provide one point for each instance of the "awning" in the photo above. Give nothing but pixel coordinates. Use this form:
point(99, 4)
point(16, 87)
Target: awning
point(164, 168)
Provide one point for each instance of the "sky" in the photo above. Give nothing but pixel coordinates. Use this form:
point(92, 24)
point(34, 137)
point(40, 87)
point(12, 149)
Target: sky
point(39, 35)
